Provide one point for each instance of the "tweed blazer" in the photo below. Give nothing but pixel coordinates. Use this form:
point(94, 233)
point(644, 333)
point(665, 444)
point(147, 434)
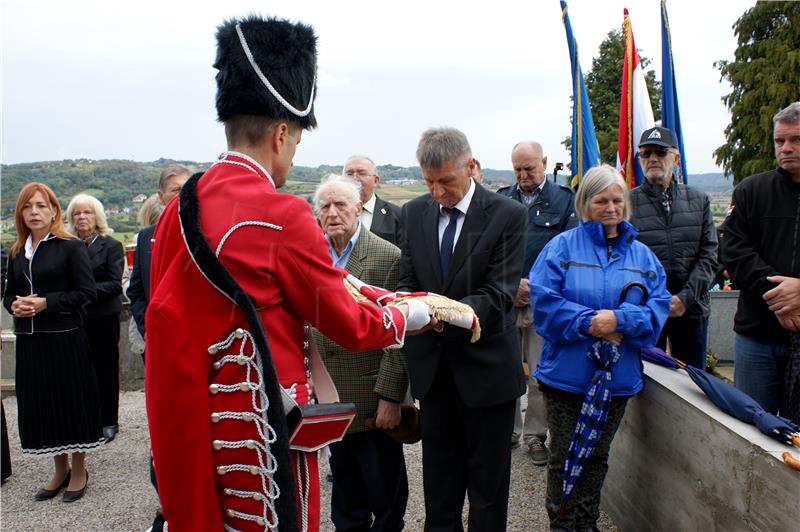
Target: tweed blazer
point(362, 378)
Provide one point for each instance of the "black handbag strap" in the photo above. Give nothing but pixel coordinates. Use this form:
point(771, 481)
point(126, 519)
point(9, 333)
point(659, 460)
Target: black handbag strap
point(212, 269)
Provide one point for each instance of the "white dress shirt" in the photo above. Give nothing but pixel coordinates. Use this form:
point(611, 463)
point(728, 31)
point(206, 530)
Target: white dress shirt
point(462, 206)
point(366, 212)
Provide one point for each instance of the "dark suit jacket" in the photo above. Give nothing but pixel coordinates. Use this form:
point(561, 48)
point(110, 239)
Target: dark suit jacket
point(108, 260)
point(484, 273)
point(361, 377)
point(386, 222)
point(139, 286)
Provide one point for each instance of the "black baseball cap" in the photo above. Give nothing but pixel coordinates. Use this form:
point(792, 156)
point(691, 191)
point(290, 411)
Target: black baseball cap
point(658, 136)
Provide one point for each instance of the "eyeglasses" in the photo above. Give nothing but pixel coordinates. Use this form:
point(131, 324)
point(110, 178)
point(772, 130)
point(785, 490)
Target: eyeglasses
point(660, 152)
point(360, 173)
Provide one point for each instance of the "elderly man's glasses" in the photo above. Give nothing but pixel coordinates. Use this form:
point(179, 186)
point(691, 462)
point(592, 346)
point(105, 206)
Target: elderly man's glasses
point(661, 152)
point(359, 173)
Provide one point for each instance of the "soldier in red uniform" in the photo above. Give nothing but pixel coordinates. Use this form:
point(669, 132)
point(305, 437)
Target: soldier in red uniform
point(219, 440)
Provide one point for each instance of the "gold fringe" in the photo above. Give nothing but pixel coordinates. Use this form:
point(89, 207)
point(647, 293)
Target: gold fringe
point(443, 308)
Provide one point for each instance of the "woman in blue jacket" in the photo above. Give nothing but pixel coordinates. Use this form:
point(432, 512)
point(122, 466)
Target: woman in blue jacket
point(576, 284)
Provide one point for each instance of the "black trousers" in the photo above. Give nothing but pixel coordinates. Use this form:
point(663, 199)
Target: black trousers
point(465, 450)
point(103, 334)
point(370, 486)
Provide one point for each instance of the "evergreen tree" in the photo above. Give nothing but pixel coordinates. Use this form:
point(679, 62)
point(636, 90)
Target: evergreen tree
point(765, 77)
point(604, 85)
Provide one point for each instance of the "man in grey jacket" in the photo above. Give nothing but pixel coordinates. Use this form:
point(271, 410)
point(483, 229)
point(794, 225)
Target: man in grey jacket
point(675, 222)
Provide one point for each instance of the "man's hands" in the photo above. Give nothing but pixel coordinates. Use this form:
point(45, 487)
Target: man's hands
point(388, 416)
point(523, 294)
point(604, 325)
point(785, 298)
point(784, 301)
point(676, 307)
point(28, 306)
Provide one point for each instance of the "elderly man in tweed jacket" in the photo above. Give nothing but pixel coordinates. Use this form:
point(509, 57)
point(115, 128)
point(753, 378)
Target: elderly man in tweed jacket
point(370, 487)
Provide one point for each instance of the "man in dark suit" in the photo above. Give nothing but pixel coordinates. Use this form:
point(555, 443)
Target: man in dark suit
point(379, 216)
point(370, 487)
point(466, 243)
point(169, 185)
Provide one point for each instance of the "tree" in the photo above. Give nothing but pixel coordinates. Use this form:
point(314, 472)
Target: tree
point(765, 76)
point(604, 85)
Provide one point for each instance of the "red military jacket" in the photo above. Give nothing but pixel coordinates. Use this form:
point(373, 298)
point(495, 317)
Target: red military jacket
point(210, 441)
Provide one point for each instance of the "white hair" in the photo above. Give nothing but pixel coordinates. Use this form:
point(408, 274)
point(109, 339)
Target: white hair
point(352, 187)
point(99, 214)
point(595, 181)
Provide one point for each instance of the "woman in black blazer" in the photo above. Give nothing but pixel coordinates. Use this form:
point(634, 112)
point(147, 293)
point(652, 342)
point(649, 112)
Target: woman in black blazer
point(49, 282)
point(86, 219)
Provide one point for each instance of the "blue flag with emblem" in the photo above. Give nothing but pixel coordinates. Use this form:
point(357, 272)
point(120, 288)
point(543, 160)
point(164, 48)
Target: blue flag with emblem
point(670, 113)
point(585, 150)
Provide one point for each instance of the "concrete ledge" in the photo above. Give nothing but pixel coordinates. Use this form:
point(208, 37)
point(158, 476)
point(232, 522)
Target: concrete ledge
point(679, 463)
point(720, 323)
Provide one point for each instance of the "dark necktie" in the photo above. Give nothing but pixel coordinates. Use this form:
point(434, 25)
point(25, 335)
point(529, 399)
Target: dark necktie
point(448, 238)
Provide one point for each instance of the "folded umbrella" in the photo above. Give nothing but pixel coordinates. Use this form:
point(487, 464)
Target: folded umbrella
point(730, 400)
point(596, 401)
point(592, 418)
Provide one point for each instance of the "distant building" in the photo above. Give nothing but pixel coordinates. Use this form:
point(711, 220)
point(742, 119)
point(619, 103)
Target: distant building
point(139, 198)
point(403, 182)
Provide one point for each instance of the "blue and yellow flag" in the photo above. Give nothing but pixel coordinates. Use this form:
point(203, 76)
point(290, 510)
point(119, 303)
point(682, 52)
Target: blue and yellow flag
point(670, 114)
point(585, 150)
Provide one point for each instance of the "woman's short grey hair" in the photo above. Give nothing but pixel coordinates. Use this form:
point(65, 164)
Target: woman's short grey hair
point(788, 115)
point(81, 200)
point(352, 187)
point(441, 145)
point(596, 181)
point(171, 171)
point(150, 211)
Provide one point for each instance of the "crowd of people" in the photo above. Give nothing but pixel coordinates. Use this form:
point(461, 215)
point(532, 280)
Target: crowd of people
point(237, 296)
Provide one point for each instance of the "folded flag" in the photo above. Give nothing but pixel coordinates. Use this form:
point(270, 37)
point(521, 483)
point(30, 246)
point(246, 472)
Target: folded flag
point(443, 308)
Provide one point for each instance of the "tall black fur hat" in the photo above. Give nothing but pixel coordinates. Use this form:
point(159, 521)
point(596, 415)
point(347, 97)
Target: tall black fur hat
point(285, 57)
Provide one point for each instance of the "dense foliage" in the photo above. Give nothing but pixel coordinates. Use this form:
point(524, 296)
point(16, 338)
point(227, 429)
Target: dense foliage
point(765, 78)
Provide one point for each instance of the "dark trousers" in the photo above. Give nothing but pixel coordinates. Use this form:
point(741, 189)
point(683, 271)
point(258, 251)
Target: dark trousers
point(103, 333)
point(465, 450)
point(370, 486)
point(583, 509)
point(688, 340)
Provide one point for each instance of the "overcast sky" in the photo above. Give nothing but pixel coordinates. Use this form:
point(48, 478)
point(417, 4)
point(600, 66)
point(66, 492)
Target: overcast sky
point(133, 80)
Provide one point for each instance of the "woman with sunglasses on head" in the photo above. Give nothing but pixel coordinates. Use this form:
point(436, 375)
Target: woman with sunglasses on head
point(49, 282)
point(86, 219)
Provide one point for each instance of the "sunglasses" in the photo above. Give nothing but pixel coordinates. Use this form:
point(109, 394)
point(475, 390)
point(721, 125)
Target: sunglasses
point(660, 152)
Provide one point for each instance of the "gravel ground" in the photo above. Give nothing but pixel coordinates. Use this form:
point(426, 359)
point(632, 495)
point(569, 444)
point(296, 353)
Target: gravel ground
point(119, 496)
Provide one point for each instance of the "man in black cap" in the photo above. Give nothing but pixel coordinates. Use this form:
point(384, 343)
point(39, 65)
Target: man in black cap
point(221, 445)
point(675, 222)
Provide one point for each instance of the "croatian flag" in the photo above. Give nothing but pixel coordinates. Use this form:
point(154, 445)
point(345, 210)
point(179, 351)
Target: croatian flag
point(635, 111)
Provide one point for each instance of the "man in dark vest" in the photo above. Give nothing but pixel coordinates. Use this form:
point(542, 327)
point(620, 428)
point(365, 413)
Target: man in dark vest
point(675, 221)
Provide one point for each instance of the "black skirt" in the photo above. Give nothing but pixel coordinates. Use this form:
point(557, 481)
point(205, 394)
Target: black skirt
point(57, 399)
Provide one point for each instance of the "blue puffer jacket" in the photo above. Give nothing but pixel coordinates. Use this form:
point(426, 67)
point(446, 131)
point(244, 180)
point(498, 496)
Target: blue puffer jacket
point(574, 277)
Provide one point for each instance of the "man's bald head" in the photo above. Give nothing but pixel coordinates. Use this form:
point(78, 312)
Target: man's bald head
point(529, 164)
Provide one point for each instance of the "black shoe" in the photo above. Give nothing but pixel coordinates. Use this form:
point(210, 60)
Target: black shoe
point(109, 432)
point(72, 496)
point(45, 494)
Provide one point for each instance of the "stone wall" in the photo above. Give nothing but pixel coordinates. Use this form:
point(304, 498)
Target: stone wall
point(679, 463)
